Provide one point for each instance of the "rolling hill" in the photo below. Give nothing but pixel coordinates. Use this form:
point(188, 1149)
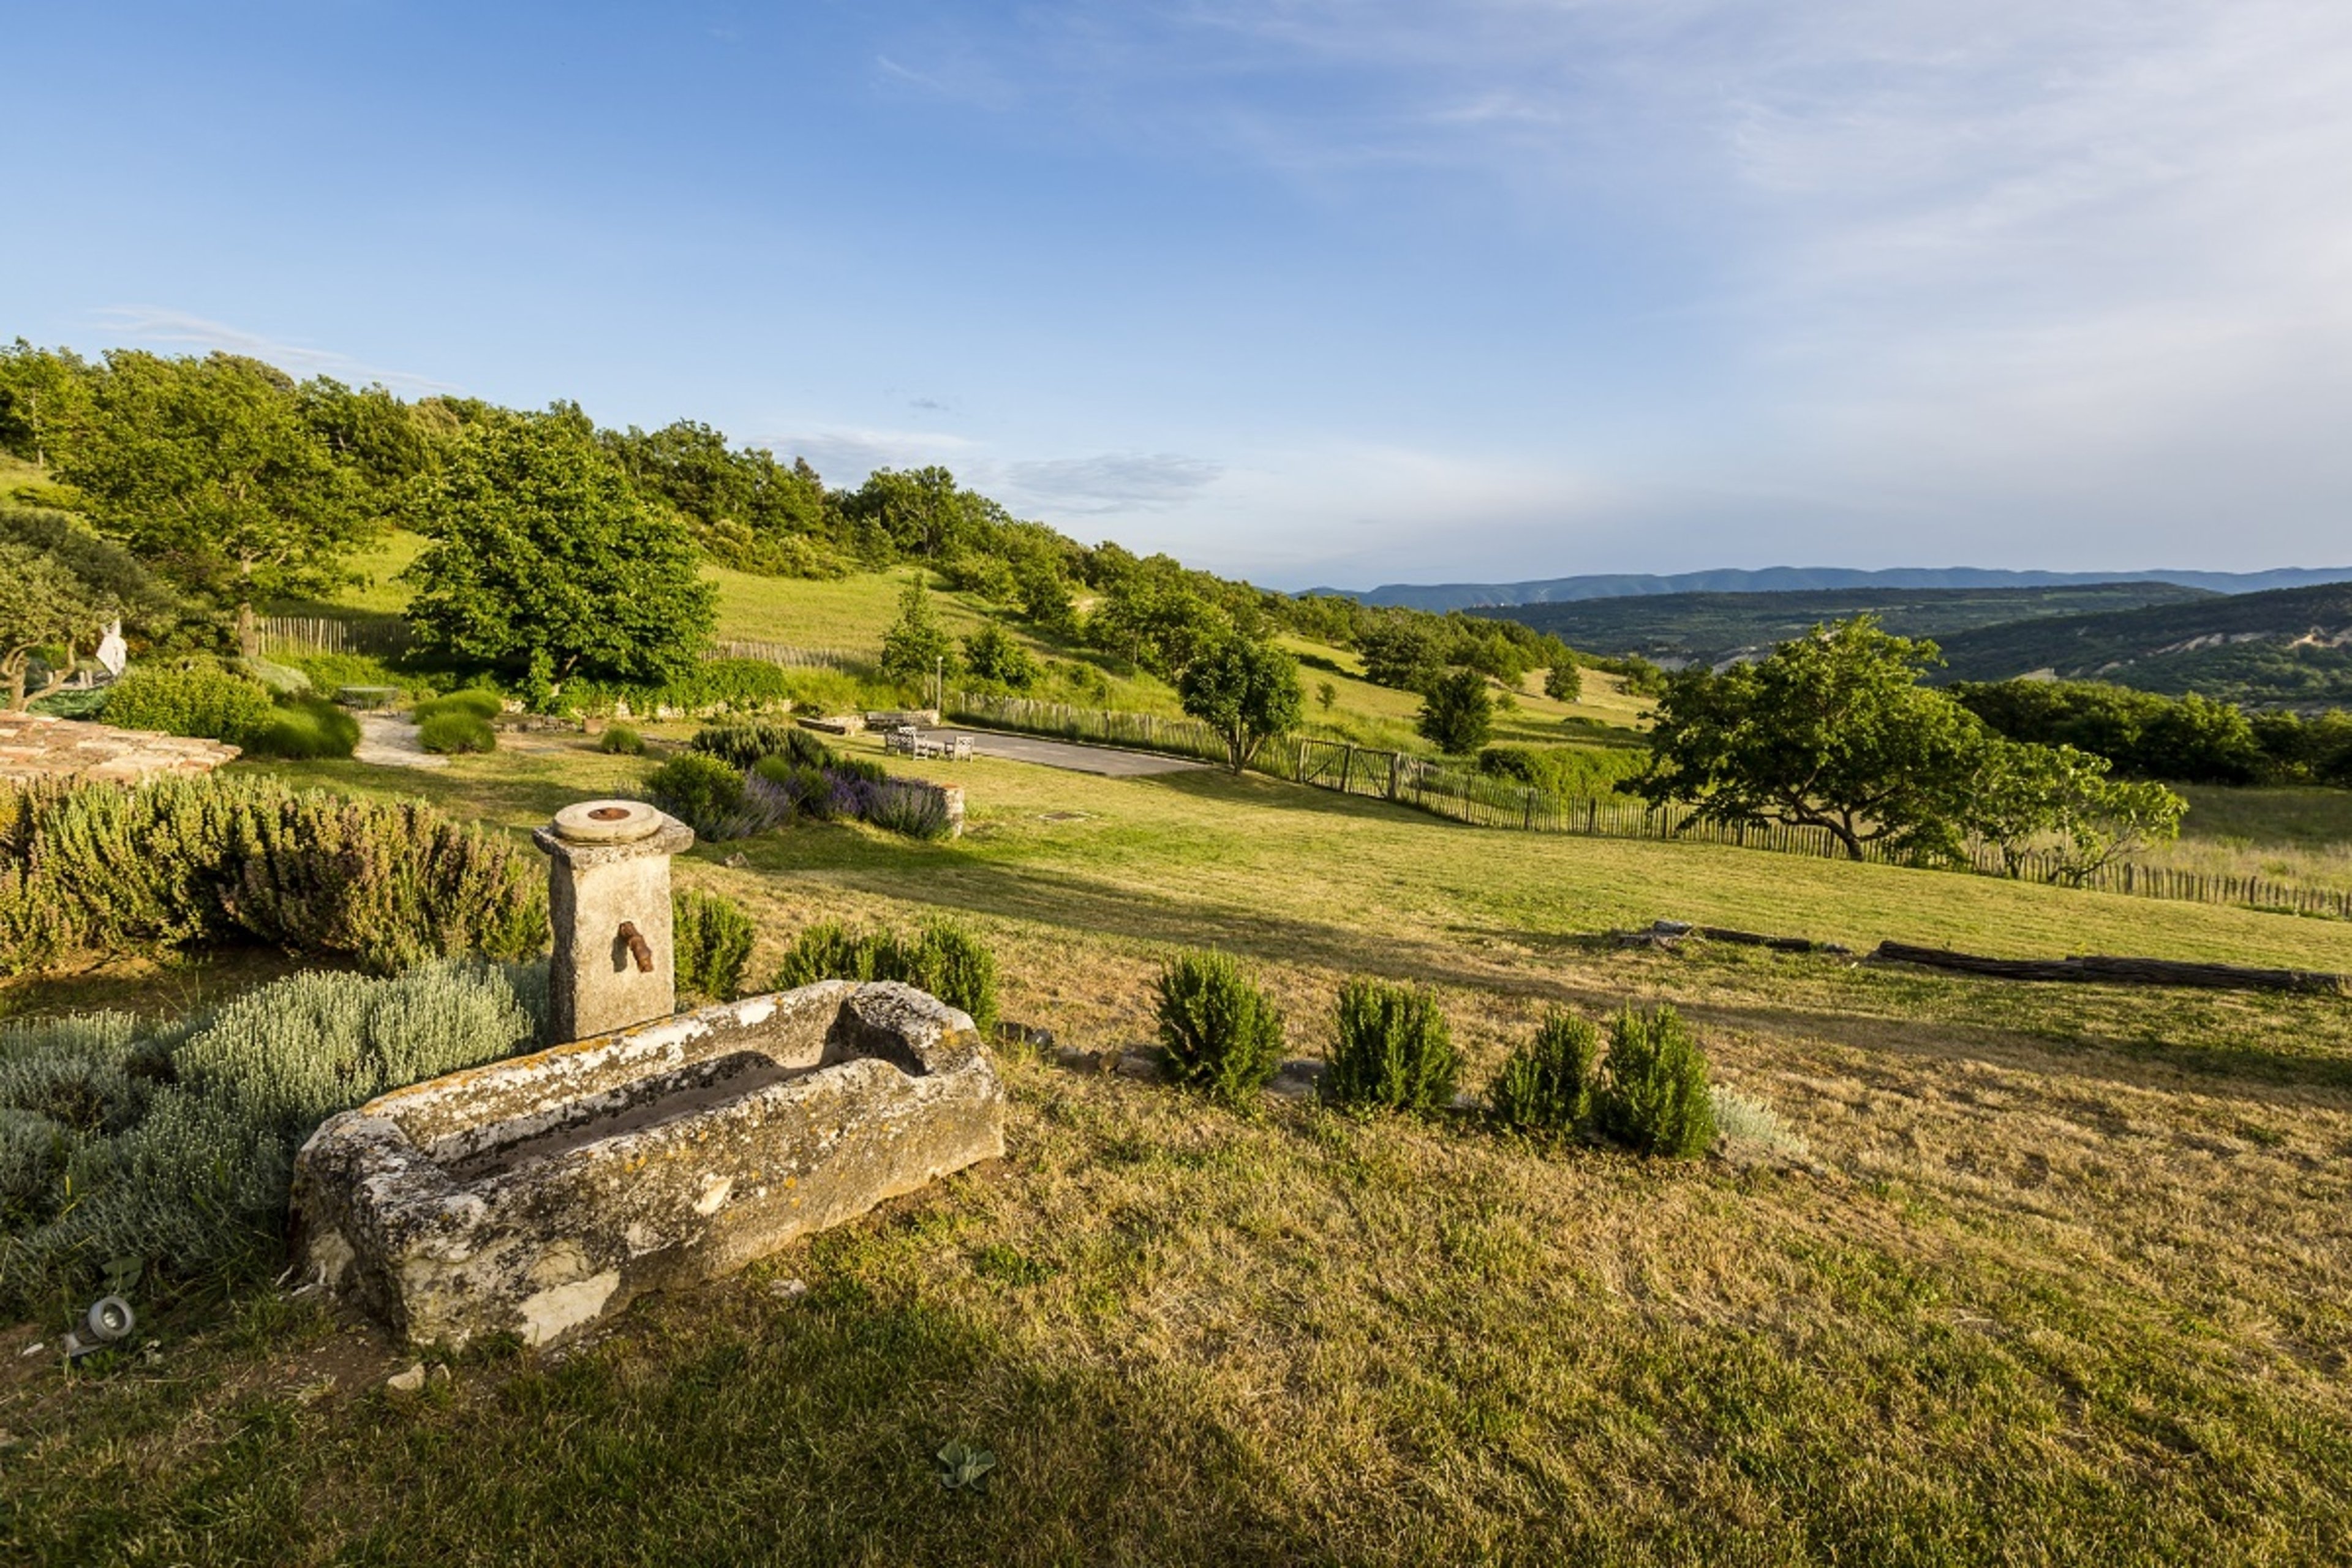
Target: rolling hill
point(2291, 646)
point(1808, 579)
point(1675, 629)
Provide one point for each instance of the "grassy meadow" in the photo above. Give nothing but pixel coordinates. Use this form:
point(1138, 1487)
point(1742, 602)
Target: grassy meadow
point(2059, 1274)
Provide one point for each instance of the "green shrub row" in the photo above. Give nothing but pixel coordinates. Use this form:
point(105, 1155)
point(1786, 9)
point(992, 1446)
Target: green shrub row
point(165, 1154)
point(1648, 1091)
point(941, 957)
point(96, 870)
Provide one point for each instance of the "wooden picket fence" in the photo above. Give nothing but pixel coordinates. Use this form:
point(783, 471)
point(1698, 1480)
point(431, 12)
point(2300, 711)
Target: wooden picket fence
point(302, 635)
point(790, 657)
point(1484, 802)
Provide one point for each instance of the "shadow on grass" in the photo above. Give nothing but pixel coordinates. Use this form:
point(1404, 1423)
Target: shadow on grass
point(718, 1425)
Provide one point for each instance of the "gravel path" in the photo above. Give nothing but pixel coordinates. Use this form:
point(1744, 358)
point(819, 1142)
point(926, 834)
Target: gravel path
point(390, 742)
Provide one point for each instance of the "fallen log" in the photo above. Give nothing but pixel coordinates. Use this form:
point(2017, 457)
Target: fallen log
point(1670, 933)
point(2096, 970)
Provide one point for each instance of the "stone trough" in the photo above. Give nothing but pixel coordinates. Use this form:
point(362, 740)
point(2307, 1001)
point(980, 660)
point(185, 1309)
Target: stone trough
point(530, 1195)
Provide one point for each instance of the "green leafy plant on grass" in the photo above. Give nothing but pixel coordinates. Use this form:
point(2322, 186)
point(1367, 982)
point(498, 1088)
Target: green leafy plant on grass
point(620, 741)
point(453, 731)
point(711, 937)
point(1394, 1052)
point(941, 957)
point(963, 1468)
point(1653, 1094)
point(1545, 1086)
point(742, 743)
point(1221, 1031)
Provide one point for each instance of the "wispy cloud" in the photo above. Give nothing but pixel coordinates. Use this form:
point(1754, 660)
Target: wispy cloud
point(178, 329)
point(846, 454)
point(1109, 483)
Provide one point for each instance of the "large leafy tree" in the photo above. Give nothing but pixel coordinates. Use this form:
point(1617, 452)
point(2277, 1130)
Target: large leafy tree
point(1831, 730)
point(544, 562)
point(45, 394)
point(208, 470)
point(1458, 714)
point(1247, 690)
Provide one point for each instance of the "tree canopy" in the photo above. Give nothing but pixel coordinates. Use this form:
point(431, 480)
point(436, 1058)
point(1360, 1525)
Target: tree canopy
point(1247, 690)
point(1835, 730)
point(1458, 715)
point(545, 563)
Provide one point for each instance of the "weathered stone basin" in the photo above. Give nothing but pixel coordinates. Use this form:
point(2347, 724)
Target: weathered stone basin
point(530, 1195)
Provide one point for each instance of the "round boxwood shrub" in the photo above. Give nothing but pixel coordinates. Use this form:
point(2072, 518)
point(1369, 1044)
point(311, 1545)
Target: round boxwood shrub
point(620, 740)
point(1223, 1034)
point(197, 698)
point(455, 730)
point(1653, 1096)
point(1545, 1086)
point(482, 704)
point(305, 727)
point(1394, 1050)
point(700, 791)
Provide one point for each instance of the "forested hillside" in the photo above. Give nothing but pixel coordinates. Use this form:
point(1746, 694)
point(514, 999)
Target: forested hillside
point(2292, 645)
point(1707, 628)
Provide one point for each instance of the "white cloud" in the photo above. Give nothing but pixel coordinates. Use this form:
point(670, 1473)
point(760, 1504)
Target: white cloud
point(846, 454)
point(178, 328)
point(1109, 483)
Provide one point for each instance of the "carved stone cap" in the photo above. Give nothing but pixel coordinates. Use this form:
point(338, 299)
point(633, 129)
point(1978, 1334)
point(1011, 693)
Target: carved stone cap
point(597, 832)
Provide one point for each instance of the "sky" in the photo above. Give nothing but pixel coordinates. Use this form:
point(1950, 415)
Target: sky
point(1313, 291)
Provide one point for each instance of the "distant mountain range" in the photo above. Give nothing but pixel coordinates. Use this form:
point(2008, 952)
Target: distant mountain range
point(1678, 629)
point(1444, 596)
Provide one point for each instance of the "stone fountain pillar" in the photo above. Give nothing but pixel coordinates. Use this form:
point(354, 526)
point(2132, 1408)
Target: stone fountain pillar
point(608, 901)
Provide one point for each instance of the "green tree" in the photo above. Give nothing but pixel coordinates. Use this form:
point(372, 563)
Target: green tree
point(1326, 694)
point(1045, 596)
point(992, 655)
point(2061, 801)
point(1247, 692)
point(45, 395)
point(544, 562)
point(1563, 682)
point(1402, 652)
point(42, 602)
point(916, 646)
point(208, 470)
point(1457, 716)
point(1832, 731)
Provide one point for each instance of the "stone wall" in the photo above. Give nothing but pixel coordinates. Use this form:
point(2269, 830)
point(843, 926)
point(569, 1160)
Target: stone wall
point(34, 746)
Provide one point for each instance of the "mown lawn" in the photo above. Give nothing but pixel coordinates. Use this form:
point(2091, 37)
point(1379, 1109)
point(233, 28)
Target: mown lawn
point(2064, 1275)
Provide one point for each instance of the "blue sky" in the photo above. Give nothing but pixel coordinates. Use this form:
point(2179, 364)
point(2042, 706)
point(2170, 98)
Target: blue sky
point(1316, 292)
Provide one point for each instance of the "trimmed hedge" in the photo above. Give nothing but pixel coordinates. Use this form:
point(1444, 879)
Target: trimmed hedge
point(96, 870)
point(305, 727)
